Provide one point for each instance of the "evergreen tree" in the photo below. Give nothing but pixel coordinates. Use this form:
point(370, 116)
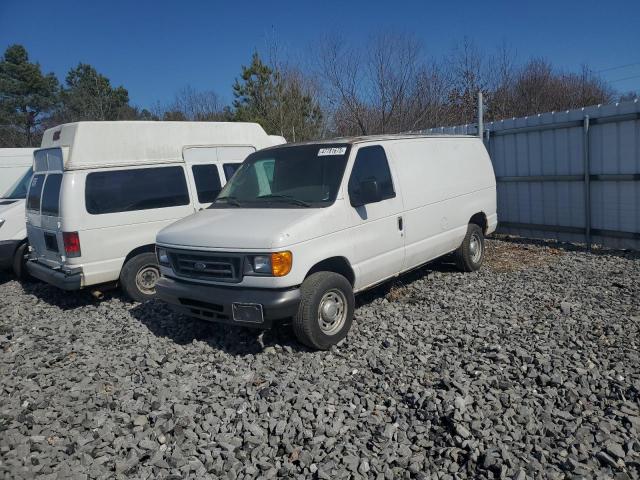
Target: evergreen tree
point(88, 95)
point(280, 101)
point(26, 98)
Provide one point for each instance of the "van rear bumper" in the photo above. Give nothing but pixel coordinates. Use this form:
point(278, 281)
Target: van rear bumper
point(7, 250)
point(57, 278)
point(215, 304)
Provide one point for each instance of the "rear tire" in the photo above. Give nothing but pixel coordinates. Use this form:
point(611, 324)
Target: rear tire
point(139, 276)
point(20, 262)
point(470, 255)
point(325, 313)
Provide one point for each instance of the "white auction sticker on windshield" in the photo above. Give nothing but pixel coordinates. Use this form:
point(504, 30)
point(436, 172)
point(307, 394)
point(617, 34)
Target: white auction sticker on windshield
point(332, 151)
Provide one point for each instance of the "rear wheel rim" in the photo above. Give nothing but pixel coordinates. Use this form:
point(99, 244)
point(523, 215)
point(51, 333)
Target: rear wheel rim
point(475, 247)
point(146, 279)
point(332, 311)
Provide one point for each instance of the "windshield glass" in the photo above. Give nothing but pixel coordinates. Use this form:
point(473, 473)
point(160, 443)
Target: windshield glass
point(300, 176)
point(19, 189)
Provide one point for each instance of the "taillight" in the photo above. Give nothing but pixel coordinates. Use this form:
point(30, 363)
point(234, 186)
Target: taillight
point(71, 244)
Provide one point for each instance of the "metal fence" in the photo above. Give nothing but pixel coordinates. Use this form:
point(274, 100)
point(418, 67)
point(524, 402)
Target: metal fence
point(572, 176)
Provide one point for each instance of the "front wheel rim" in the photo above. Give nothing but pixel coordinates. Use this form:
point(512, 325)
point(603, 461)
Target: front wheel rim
point(146, 279)
point(475, 247)
point(332, 312)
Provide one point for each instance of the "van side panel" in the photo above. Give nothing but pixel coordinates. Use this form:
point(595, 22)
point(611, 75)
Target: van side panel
point(444, 182)
point(106, 239)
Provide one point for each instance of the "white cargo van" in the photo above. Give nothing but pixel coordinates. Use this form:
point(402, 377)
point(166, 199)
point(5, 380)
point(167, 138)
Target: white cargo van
point(102, 190)
point(300, 228)
point(13, 231)
point(14, 162)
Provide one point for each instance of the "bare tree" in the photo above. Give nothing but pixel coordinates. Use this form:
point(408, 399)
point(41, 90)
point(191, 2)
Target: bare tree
point(193, 105)
point(384, 87)
point(342, 69)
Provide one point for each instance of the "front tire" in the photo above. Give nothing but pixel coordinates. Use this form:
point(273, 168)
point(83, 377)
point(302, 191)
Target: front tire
point(20, 261)
point(470, 255)
point(325, 313)
point(139, 276)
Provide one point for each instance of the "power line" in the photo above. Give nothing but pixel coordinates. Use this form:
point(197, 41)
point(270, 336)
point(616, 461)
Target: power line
point(618, 67)
point(625, 78)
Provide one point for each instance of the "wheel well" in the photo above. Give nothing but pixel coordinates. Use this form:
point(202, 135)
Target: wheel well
point(337, 265)
point(480, 219)
point(137, 251)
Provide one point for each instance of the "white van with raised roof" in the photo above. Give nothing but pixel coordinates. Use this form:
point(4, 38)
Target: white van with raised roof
point(300, 228)
point(101, 191)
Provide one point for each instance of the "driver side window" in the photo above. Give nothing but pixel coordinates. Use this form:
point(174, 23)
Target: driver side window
point(371, 164)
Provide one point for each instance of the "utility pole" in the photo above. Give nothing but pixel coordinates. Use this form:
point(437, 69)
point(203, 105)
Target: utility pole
point(480, 116)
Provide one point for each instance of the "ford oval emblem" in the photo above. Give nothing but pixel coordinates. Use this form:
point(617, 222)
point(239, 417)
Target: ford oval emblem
point(199, 266)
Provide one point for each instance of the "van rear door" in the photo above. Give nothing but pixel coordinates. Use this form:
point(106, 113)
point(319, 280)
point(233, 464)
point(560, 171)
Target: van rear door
point(209, 168)
point(43, 207)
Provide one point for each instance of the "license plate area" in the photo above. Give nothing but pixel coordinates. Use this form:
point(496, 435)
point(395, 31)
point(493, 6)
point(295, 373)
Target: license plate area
point(248, 313)
point(51, 242)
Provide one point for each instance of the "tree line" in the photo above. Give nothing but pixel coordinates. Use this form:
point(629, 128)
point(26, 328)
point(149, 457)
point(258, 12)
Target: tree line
point(386, 85)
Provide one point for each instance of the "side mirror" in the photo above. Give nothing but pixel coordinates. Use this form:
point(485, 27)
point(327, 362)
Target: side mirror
point(369, 193)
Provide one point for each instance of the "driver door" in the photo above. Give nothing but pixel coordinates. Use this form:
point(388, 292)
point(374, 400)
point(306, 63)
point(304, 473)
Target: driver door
point(379, 229)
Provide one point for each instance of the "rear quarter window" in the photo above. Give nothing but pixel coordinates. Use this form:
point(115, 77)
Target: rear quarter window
point(35, 192)
point(230, 169)
point(207, 181)
point(135, 189)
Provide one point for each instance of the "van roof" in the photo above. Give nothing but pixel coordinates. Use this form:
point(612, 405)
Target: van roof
point(16, 152)
point(16, 157)
point(117, 143)
point(376, 138)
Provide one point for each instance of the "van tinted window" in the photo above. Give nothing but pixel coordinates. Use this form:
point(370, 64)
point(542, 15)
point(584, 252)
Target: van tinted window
point(51, 195)
point(371, 163)
point(35, 192)
point(230, 169)
point(207, 181)
point(137, 189)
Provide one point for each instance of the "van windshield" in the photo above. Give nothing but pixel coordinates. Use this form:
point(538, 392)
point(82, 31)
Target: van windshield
point(300, 176)
point(18, 190)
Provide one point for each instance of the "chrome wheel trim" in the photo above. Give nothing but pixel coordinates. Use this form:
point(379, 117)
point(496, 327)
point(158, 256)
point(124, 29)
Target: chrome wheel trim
point(475, 247)
point(146, 279)
point(332, 311)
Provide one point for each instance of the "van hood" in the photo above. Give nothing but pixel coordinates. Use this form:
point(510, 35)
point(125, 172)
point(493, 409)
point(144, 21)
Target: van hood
point(251, 228)
point(10, 206)
point(12, 211)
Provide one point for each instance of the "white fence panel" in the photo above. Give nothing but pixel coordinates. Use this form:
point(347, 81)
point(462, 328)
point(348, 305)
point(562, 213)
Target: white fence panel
point(572, 176)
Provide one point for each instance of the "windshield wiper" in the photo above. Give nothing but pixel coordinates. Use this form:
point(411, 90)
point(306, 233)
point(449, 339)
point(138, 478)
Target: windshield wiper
point(229, 200)
point(287, 198)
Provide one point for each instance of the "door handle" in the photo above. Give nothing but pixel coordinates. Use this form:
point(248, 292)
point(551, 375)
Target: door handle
point(400, 225)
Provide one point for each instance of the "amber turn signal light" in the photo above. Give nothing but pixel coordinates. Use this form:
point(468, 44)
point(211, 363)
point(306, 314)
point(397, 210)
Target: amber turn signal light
point(281, 263)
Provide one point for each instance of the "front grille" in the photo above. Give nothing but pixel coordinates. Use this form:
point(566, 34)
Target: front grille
point(210, 311)
point(207, 266)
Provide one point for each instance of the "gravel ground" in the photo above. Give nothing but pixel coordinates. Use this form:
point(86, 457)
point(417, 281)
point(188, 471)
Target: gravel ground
point(529, 368)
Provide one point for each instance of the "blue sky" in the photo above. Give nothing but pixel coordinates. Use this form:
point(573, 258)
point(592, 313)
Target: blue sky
point(154, 48)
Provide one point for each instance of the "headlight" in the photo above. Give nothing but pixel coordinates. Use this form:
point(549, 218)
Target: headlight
point(1, 222)
point(277, 264)
point(262, 264)
point(163, 256)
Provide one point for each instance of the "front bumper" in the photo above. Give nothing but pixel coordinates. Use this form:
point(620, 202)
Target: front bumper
point(57, 278)
point(213, 303)
point(7, 251)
